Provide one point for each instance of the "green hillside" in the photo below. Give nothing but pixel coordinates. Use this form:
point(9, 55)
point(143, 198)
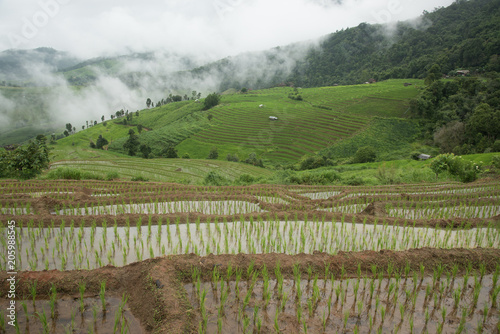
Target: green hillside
point(324, 117)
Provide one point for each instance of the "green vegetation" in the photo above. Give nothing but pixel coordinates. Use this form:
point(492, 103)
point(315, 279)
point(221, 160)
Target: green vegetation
point(239, 126)
point(27, 161)
point(467, 171)
point(461, 115)
point(211, 101)
point(462, 35)
point(241, 133)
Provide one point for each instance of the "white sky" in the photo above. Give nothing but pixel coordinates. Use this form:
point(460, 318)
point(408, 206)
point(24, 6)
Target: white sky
point(206, 28)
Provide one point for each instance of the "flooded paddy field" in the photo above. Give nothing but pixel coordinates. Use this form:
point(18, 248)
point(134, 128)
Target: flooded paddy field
point(259, 259)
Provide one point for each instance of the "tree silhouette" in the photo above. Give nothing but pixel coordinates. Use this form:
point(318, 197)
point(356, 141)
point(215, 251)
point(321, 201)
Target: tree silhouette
point(132, 143)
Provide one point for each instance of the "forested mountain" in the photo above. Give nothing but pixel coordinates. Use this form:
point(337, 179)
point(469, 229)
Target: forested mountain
point(15, 64)
point(464, 35)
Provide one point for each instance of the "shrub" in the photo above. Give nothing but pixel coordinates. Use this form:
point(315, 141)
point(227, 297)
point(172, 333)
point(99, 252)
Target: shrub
point(145, 150)
point(215, 179)
point(170, 152)
point(496, 146)
point(328, 177)
point(64, 173)
point(415, 155)
point(186, 156)
point(315, 162)
point(26, 161)
point(232, 157)
point(253, 160)
point(364, 154)
point(246, 179)
point(211, 101)
point(495, 161)
point(139, 178)
point(465, 170)
point(214, 154)
point(388, 175)
point(112, 176)
point(100, 143)
point(355, 181)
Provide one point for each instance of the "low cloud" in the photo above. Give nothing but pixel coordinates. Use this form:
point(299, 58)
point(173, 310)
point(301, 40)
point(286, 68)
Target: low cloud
point(179, 35)
point(213, 29)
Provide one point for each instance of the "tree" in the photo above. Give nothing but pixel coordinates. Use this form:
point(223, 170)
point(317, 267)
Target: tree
point(148, 102)
point(211, 101)
point(139, 128)
point(101, 142)
point(364, 154)
point(485, 120)
point(214, 154)
point(450, 136)
point(112, 116)
point(137, 113)
point(244, 90)
point(145, 150)
point(132, 143)
point(95, 122)
point(66, 133)
point(83, 127)
point(102, 118)
point(69, 127)
point(118, 114)
point(433, 74)
point(169, 152)
point(26, 161)
point(232, 157)
point(253, 160)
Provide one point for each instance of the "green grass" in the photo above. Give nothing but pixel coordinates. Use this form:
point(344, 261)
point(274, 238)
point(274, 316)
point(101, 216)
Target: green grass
point(390, 137)
point(163, 170)
point(337, 120)
point(327, 115)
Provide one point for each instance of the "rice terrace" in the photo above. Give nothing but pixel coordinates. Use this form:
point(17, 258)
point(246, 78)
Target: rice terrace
point(160, 174)
point(113, 256)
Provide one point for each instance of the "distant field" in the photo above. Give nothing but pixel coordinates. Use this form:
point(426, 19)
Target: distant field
point(325, 116)
point(163, 170)
point(339, 118)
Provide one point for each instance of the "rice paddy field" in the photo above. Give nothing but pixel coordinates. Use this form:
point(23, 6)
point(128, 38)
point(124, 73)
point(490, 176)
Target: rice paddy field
point(128, 257)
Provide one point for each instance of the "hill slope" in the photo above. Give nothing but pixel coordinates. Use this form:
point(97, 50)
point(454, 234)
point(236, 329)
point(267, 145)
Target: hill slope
point(238, 126)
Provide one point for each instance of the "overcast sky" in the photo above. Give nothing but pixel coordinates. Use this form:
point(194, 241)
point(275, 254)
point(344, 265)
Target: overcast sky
point(210, 28)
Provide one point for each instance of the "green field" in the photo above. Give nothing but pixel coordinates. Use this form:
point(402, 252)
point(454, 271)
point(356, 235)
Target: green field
point(332, 121)
point(326, 116)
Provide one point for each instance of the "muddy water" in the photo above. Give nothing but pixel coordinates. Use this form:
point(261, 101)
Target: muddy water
point(340, 306)
point(272, 200)
point(350, 209)
point(68, 316)
point(87, 248)
point(447, 212)
point(321, 195)
point(204, 207)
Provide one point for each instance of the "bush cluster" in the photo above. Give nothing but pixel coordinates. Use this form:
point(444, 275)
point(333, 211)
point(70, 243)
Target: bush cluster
point(467, 171)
